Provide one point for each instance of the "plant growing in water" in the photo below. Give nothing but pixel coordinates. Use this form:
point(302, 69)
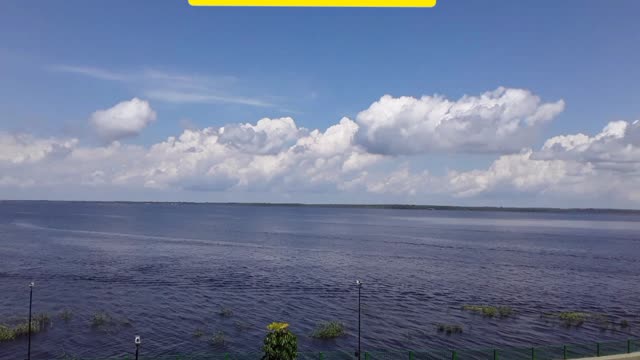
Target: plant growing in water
point(198, 333)
point(39, 322)
point(450, 328)
point(225, 312)
point(490, 311)
point(218, 339)
point(100, 319)
point(328, 330)
point(280, 343)
point(66, 315)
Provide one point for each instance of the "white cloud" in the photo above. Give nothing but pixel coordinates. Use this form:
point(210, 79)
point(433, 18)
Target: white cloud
point(171, 87)
point(25, 148)
point(125, 119)
point(499, 121)
point(278, 156)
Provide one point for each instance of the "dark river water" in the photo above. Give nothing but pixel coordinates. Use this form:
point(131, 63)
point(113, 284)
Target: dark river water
point(162, 271)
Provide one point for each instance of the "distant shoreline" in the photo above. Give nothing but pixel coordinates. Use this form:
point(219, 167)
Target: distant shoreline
point(362, 206)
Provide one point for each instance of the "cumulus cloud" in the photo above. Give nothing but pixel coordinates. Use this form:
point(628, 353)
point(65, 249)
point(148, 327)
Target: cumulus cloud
point(278, 156)
point(125, 119)
point(616, 147)
point(498, 121)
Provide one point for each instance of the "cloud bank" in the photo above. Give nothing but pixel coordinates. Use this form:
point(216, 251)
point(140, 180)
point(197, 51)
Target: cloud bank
point(372, 154)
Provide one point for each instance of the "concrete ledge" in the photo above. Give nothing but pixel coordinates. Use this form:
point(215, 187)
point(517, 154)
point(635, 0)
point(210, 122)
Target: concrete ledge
point(631, 356)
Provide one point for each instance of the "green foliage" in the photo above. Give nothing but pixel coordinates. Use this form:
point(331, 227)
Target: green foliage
point(490, 311)
point(39, 322)
point(280, 343)
point(225, 312)
point(449, 328)
point(328, 330)
point(218, 339)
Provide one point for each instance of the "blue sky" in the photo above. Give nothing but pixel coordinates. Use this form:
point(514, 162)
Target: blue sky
point(62, 61)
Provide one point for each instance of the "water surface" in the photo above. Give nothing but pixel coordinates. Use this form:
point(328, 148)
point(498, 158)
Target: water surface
point(164, 270)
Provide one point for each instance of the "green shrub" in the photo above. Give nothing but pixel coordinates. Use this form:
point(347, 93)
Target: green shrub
point(198, 333)
point(280, 343)
point(328, 330)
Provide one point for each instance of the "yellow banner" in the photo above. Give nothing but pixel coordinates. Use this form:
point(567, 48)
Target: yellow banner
point(317, 3)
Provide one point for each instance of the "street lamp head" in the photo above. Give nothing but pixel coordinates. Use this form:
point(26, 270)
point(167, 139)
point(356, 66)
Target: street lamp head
point(359, 283)
point(137, 340)
point(32, 284)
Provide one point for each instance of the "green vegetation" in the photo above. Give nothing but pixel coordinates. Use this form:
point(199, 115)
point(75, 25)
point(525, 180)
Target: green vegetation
point(218, 339)
point(39, 322)
point(328, 330)
point(100, 319)
point(490, 311)
point(225, 312)
point(624, 324)
point(198, 333)
point(573, 318)
point(66, 315)
point(241, 325)
point(280, 343)
point(449, 328)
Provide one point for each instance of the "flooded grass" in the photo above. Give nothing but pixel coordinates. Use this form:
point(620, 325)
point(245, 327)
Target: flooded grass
point(328, 330)
point(39, 322)
point(198, 333)
point(449, 328)
point(490, 311)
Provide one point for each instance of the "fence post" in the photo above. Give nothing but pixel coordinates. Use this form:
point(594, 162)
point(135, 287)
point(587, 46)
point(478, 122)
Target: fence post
point(597, 349)
point(410, 355)
point(321, 356)
point(366, 356)
point(226, 356)
point(533, 353)
point(454, 355)
point(495, 354)
point(629, 346)
point(564, 352)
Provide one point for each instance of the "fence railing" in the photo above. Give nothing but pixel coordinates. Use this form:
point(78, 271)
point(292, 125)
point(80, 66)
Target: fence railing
point(553, 352)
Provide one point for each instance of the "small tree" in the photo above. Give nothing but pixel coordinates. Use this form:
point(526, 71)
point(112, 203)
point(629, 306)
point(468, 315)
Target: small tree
point(280, 343)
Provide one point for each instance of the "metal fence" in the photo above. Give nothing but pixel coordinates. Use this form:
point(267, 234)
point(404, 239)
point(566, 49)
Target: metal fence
point(553, 352)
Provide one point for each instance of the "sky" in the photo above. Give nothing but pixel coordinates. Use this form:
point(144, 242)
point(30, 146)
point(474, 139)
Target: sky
point(495, 103)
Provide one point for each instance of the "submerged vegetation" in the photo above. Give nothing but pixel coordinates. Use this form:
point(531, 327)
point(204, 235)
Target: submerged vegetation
point(449, 328)
point(39, 322)
point(218, 339)
point(100, 319)
point(198, 333)
point(490, 311)
point(66, 315)
point(328, 330)
point(225, 312)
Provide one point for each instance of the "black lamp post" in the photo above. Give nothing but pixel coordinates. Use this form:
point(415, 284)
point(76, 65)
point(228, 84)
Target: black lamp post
point(359, 284)
point(29, 333)
point(137, 341)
